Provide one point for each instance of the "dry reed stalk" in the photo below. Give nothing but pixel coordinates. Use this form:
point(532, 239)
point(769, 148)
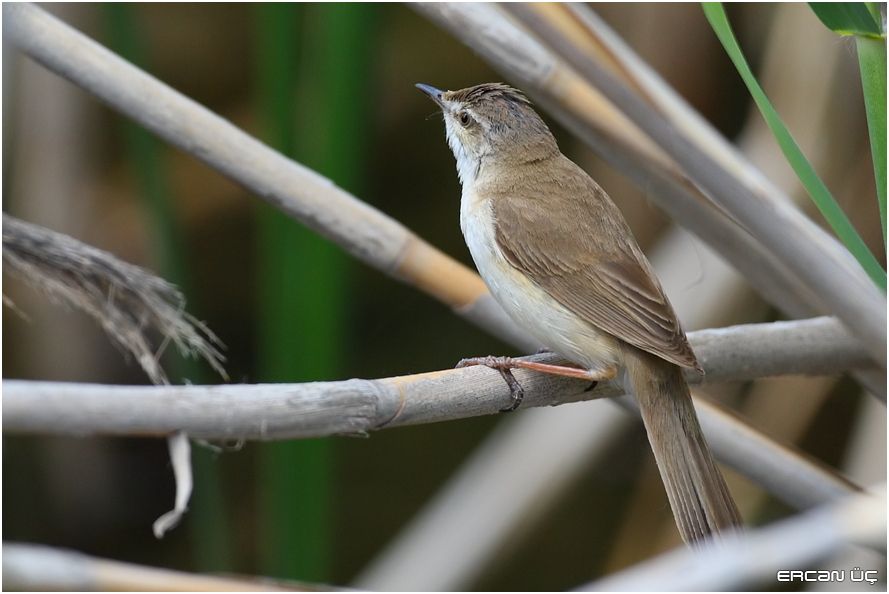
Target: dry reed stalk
point(37, 567)
point(493, 502)
point(283, 411)
point(757, 555)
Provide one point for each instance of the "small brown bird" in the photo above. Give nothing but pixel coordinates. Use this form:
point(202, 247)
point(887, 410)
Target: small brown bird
point(558, 256)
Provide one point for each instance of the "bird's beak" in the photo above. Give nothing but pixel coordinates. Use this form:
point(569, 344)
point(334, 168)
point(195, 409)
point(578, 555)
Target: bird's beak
point(434, 94)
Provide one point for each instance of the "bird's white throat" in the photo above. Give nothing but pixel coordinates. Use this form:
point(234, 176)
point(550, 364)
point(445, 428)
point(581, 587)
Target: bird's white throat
point(467, 163)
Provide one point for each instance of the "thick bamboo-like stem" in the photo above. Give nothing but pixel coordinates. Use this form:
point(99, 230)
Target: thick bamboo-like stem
point(865, 461)
point(285, 411)
point(587, 30)
point(755, 557)
point(36, 567)
point(281, 411)
point(837, 282)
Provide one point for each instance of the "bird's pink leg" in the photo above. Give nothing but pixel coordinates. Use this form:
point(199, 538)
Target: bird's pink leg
point(505, 364)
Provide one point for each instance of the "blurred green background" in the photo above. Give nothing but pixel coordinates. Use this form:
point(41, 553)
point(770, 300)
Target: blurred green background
point(332, 86)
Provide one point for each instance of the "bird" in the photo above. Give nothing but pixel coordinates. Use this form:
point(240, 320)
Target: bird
point(559, 258)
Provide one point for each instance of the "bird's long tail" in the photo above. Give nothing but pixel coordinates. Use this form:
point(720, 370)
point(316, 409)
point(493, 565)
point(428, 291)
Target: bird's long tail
point(699, 497)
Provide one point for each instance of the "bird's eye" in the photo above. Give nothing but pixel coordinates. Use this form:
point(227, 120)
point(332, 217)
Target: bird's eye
point(464, 118)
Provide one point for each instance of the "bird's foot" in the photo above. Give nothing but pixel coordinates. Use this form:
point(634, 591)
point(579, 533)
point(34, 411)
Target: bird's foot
point(504, 365)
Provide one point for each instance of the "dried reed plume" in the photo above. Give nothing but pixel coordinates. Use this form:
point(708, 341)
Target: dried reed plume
point(127, 301)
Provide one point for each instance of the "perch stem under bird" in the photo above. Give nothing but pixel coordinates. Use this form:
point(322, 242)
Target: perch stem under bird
point(558, 256)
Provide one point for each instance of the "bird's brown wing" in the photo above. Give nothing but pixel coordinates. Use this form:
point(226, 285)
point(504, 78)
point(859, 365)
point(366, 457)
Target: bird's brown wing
point(587, 260)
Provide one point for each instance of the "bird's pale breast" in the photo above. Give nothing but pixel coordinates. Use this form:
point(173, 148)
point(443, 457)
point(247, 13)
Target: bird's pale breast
point(527, 304)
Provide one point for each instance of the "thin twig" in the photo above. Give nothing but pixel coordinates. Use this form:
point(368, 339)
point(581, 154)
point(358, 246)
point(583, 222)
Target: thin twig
point(758, 555)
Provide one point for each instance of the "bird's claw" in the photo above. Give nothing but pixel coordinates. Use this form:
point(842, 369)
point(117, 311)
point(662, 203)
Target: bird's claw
point(504, 365)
